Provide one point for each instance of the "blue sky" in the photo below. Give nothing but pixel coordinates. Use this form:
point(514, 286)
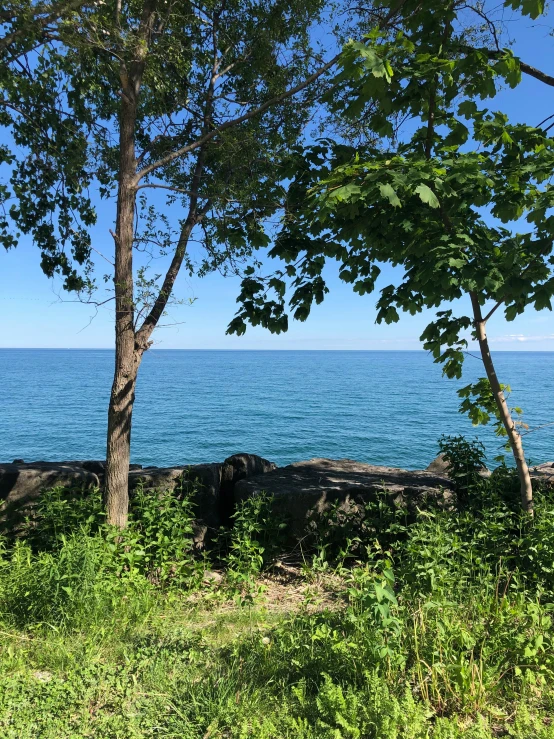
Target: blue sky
point(37, 313)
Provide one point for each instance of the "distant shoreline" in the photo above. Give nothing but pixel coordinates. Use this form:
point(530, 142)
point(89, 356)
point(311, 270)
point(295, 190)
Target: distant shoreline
point(256, 351)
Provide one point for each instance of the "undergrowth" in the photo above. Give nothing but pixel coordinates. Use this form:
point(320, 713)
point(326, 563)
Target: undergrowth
point(440, 624)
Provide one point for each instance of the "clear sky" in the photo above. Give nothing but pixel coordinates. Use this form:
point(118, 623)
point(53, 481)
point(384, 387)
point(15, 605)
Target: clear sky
point(37, 313)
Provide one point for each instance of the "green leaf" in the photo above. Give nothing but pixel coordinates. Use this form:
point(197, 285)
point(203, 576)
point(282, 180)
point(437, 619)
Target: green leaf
point(427, 195)
point(387, 191)
point(345, 193)
point(532, 8)
point(468, 108)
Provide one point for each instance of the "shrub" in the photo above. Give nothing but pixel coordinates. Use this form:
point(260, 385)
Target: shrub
point(465, 460)
point(255, 538)
point(158, 542)
point(71, 569)
point(60, 512)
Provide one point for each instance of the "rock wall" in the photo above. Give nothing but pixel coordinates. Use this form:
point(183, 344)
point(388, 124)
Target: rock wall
point(21, 483)
point(304, 490)
point(301, 490)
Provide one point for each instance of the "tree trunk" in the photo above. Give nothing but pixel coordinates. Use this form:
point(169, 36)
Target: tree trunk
point(128, 351)
point(127, 358)
point(119, 439)
point(505, 415)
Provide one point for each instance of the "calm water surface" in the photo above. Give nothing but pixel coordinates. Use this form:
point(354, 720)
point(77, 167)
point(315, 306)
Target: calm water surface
point(196, 406)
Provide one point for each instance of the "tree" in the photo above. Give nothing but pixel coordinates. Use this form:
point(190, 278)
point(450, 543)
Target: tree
point(447, 212)
point(27, 25)
point(138, 100)
point(34, 109)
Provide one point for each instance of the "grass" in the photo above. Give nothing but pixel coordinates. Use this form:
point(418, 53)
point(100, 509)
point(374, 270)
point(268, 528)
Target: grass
point(439, 628)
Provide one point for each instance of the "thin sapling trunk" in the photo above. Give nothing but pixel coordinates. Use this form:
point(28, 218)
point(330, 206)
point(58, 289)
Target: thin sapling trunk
point(504, 412)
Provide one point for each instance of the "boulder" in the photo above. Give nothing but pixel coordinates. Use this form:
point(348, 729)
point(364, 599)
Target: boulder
point(239, 467)
point(439, 466)
point(99, 466)
point(206, 482)
point(304, 489)
point(543, 472)
point(21, 484)
point(96, 466)
point(157, 478)
point(248, 465)
point(203, 479)
point(212, 483)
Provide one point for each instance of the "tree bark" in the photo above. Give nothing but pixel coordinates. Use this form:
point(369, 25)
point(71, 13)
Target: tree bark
point(119, 438)
point(126, 359)
point(504, 412)
point(128, 353)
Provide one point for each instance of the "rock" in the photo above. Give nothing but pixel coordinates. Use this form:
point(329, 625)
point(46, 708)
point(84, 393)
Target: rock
point(211, 577)
point(212, 483)
point(543, 472)
point(96, 466)
point(156, 478)
point(239, 467)
point(439, 466)
point(199, 534)
point(205, 480)
point(18, 461)
point(248, 465)
point(304, 489)
point(21, 484)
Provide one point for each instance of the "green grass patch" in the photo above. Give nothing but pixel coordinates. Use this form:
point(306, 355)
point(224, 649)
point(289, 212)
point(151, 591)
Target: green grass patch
point(438, 629)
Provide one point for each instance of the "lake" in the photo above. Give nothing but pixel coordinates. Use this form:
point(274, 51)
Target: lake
point(382, 407)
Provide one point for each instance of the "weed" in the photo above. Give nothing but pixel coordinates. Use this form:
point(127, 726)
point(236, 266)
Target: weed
point(256, 537)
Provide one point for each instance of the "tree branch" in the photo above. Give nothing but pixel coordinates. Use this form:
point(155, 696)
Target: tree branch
point(52, 13)
point(168, 187)
point(151, 321)
point(184, 150)
point(537, 74)
point(430, 123)
point(525, 68)
point(493, 310)
point(194, 216)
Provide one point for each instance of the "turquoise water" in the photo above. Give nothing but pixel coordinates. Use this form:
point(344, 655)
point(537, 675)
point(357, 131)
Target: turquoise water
point(197, 406)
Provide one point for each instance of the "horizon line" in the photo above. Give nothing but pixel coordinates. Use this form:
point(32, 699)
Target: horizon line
point(227, 349)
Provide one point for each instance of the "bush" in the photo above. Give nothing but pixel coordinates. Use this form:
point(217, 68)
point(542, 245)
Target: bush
point(158, 542)
point(71, 569)
point(465, 460)
point(253, 541)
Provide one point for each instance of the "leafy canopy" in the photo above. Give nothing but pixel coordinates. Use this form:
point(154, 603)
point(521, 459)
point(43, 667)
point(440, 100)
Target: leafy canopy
point(458, 196)
point(60, 103)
